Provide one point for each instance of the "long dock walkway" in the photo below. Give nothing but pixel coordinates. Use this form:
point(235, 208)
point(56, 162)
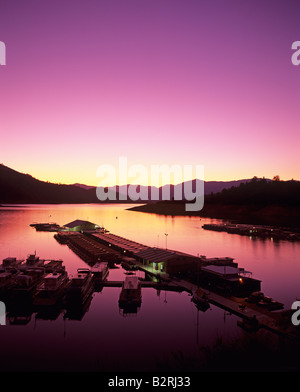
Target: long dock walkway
point(157, 285)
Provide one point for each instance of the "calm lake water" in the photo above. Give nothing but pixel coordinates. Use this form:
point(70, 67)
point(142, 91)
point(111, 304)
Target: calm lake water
point(167, 326)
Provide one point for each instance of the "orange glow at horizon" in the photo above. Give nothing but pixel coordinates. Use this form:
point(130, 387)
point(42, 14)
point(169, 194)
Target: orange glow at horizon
point(88, 177)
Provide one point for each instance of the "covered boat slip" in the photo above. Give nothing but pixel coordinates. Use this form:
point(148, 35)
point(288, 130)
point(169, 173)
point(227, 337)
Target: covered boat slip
point(88, 248)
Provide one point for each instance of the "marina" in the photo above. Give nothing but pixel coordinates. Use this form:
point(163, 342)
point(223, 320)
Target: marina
point(167, 291)
point(222, 282)
point(219, 281)
point(150, 190)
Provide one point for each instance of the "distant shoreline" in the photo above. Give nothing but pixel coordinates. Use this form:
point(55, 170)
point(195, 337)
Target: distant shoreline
point(267, 215)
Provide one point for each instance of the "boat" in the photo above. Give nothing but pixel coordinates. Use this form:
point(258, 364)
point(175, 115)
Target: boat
point(54, 266)
point(6, 282)
point(25, 282)
point(34, 261)
point(45, 226)
point(275, 305)
point(200, 299)
point(255, 297)
point(99, 272)
point(11, 263)
point(80, 287)
point(51, 289)
point(270, 303)
point(131, 293)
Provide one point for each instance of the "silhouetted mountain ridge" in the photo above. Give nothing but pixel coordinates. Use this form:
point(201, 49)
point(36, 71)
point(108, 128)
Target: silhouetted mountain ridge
point(19, 188)
point(258, 201)
point(209, 187)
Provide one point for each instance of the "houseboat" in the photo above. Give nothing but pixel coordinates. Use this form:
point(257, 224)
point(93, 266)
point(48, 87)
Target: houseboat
point(51, 289)
point(131, 293)
point(80, 287)
point(54, 266)
point(99, 272)
point(11, 263)
point(34, 261)
point(25, 282)
point(45, 226)
point(6, 282)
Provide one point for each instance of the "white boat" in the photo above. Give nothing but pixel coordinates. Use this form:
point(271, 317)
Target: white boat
point(51, 289)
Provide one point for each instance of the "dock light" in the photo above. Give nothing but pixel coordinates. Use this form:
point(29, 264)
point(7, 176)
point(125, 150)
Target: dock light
point(241, 280)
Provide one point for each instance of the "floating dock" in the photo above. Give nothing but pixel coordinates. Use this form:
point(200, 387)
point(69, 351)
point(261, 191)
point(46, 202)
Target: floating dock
point(87, 248)
point(255, 231)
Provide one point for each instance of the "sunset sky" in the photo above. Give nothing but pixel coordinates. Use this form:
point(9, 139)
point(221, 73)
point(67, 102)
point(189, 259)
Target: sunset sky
point(182, 82)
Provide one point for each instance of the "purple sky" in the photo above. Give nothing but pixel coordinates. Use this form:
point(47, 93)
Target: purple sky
point(159, 81)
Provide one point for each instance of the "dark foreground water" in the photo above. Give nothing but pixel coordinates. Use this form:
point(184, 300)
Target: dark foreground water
point(167, 333)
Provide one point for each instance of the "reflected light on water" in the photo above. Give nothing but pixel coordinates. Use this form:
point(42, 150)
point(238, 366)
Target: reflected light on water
point(166, 323)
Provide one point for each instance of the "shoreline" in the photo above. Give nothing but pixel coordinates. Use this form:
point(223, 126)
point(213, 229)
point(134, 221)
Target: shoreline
point(277, 216)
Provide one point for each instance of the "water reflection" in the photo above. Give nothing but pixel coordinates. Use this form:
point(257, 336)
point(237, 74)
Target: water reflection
point(167, 322)
point(20, 309)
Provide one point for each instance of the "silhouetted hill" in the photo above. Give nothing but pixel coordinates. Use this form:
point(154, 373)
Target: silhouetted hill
point(83, 186)
point(258, 201)
point(22, 188)
point(209, 187)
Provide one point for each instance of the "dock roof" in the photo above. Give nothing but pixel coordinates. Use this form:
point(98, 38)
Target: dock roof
point(222, 270)
point(78, 222)
point(121, 242)
point(158, 255)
